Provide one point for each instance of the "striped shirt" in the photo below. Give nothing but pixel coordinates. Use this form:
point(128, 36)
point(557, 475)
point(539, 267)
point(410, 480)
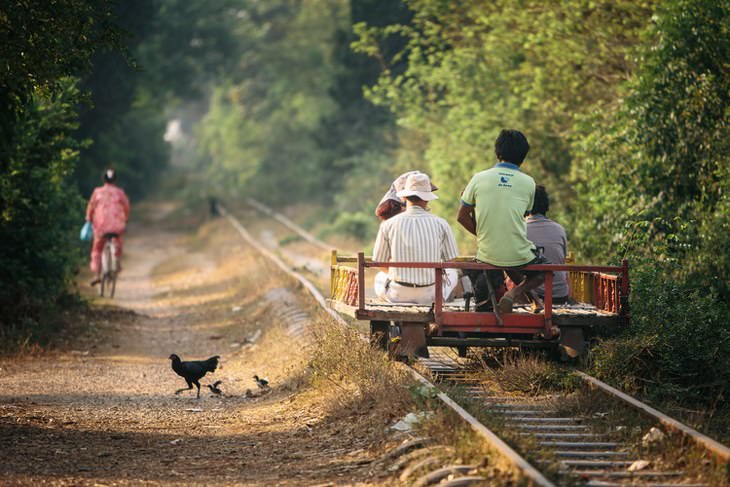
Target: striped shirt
point(414, 236)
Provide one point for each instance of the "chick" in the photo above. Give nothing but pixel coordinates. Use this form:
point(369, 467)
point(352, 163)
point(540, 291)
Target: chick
point(261, 382)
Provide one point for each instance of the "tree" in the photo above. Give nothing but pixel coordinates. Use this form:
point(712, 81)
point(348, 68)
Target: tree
point(38, 222)
point(175, 49)
point(654, 188)
point(43, 46)
point(661, 162)
point(262, 130)
point(476, 67)
point(40, 44)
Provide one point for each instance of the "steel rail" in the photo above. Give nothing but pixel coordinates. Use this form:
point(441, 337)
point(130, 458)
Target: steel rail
point(280, 264)
point(522, 465)
point(715, 447)
point(290, 224)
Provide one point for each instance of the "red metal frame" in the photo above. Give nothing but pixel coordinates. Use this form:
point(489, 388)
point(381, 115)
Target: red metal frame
point(611, 289)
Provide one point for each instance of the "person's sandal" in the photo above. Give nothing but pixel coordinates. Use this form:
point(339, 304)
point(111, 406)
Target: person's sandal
point(505, 304)
point(537, 305)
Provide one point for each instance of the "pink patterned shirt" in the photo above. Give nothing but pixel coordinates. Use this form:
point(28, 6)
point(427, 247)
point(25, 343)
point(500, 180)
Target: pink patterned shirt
point(108, 210)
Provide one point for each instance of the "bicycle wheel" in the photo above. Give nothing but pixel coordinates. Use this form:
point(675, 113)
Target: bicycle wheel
point(112, 283)
point(105, 266)
point(113, 266)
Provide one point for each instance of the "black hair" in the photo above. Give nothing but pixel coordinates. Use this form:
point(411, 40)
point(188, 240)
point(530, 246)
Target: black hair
point(542, 201)
point(110, 175)
point(511, 146)
point(414, 199)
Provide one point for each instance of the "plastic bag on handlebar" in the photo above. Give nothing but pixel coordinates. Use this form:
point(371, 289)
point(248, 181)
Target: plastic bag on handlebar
point(87, 232)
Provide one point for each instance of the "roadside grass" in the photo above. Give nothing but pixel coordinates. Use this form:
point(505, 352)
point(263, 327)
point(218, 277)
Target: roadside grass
point(708, 413)
point(341, 359)
point(290, 239)
point(531, 375)
point(54, 327)
point(514, 371)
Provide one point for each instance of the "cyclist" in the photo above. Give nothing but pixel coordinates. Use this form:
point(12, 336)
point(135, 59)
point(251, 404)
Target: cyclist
point(108, 212)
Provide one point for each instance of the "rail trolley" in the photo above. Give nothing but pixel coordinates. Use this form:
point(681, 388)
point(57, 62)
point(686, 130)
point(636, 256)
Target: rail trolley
point(600, 297)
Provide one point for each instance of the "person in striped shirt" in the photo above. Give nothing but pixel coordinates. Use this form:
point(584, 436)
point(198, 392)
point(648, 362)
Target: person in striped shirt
point(414, 235)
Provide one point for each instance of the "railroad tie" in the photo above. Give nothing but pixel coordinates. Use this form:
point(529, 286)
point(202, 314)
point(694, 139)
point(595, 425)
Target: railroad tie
point(598, 483)
point(543, 427)
point(579, 444)
point(564, 435)
point(523, 412)
point(589, 454)
point(624, 474)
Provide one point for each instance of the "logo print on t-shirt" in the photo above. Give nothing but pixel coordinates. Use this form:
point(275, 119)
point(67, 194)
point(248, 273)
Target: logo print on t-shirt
point(504, 180)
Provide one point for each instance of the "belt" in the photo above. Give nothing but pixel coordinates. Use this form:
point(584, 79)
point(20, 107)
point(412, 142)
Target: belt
point(409, 284)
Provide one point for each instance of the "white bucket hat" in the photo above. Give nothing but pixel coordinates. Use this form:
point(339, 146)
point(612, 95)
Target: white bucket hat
point(418, 184)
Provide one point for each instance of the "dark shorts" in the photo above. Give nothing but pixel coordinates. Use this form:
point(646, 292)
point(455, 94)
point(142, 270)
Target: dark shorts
point(559, 300)
point(537, 260)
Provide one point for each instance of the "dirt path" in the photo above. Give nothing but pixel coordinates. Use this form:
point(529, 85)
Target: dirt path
point(102, 412)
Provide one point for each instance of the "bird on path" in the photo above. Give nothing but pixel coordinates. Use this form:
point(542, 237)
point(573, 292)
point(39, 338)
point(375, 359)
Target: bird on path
point(261, 382)
point(214, 387)
point(192, 371)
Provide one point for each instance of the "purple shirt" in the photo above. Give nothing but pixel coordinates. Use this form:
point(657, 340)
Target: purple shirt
point(544, 232)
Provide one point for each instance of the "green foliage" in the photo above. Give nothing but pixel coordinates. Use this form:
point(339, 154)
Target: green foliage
point(42, 42)
point(44, 46)
point(626, 106)
point(263, 126)
point(359, 226)
point(39, 223)
point(659, 168)
point(678, 347)
point(474, 68)
point(177, 48)
point(288, 122)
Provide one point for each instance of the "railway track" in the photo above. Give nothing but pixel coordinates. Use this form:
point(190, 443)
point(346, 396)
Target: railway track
point(575, 449)
point(579, 448)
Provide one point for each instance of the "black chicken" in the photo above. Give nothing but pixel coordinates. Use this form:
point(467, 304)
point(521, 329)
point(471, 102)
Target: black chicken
point(193, 370)
point(214, 387)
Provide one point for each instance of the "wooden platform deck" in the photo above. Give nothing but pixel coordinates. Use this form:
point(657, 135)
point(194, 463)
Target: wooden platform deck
point(580, 315)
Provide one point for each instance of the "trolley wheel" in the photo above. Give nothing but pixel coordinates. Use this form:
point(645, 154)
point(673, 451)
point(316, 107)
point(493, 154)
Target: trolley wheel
point(379, 334)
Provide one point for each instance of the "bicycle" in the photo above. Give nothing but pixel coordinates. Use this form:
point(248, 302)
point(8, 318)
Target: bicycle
point(109, 265)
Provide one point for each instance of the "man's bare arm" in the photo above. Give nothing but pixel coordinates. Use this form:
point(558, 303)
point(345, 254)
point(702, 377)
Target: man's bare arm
point(467, 219)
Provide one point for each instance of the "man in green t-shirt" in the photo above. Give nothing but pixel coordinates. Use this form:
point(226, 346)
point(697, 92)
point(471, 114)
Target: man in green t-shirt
point(493, 207)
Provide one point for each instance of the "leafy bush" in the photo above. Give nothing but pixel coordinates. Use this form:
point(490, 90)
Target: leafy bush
point(654, 187)
point(41, 212)
point(678, 345)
